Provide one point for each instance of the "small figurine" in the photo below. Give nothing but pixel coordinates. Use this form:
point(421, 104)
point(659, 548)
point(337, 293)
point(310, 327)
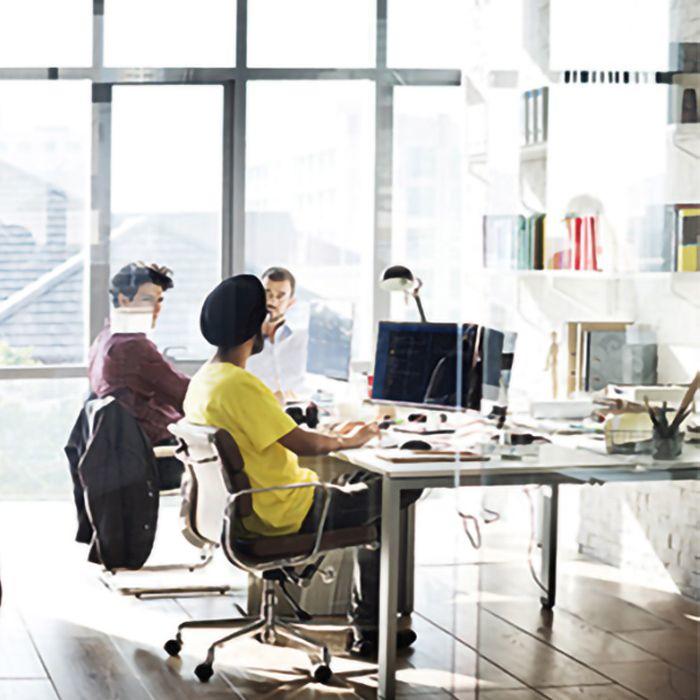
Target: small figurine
point(551, 364)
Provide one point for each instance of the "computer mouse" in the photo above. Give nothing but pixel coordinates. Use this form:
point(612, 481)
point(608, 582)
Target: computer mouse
point(416, 445)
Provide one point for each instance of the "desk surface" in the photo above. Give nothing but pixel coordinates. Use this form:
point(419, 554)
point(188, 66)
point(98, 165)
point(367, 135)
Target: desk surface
point(545, 459)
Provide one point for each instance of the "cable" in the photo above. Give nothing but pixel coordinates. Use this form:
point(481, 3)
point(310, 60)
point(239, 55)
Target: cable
point(531, 543)
point(475, 539)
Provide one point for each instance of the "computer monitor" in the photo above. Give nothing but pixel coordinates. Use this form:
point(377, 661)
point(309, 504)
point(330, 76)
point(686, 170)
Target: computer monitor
point(330, 339)
point(497, 353)
point(424, 364)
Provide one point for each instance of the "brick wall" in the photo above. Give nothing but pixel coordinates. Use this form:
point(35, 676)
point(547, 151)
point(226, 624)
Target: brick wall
point(652, 530)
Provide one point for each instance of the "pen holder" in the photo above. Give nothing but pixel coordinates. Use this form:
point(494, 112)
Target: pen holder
point(667, 447)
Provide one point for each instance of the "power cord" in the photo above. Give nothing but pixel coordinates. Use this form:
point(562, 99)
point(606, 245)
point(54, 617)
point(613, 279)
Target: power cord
point(531, 543)
point(470, 522)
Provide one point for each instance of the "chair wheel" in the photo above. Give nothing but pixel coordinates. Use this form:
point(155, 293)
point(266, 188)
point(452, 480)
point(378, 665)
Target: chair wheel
point(173, 647)
point(321, 673)
point(204, 672)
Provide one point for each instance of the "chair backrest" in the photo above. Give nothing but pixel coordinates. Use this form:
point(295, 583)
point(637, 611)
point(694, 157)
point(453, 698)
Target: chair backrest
point(214, 467)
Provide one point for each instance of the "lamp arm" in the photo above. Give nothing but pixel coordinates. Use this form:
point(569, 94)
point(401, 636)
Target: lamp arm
point(416, 295)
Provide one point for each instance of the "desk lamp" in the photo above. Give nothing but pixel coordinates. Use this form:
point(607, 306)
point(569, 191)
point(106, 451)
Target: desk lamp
point(397, 278)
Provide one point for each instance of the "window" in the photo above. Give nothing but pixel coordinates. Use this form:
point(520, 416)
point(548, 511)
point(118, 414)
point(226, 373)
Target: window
point(426, 35)
point(166, 198)
point(311, 33)
point(309, 189)
point(46, 410)
point(597, 35)
point(46, 33)
point(170, 33)
point(44, 217)
point(428, 221)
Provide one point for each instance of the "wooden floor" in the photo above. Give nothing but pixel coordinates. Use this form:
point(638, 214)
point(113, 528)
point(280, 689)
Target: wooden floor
point(481, 633)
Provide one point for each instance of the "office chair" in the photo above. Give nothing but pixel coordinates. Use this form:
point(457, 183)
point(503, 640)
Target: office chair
point(222, 498)
point(110, 576)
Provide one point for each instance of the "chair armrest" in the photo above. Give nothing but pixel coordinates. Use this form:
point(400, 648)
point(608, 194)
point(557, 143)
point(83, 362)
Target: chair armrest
point(230, 514)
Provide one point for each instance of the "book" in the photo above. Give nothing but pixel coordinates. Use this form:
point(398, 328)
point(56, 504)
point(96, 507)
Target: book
point(688, 240)
point(504, 237)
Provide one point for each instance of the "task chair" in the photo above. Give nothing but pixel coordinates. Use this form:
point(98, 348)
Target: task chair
point(110, 576)
point(223, 497)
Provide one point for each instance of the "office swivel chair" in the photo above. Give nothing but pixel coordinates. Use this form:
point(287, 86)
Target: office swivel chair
point(222, 497)
point(110, 576)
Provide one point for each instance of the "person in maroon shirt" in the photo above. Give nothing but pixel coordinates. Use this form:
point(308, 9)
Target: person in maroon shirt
point(128, 366)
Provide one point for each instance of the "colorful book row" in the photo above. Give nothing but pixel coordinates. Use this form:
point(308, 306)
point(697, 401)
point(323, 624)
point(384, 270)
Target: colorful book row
point(520, 243)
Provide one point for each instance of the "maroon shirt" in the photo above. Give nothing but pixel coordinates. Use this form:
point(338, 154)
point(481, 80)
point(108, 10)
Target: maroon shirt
point(130, 367)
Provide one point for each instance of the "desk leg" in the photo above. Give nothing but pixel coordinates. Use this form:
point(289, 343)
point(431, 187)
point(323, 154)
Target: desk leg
point(550, 512)
point(388, 588)
point(407, 559)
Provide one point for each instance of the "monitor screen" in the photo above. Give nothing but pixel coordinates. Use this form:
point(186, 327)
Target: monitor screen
point(330, 339)
point(497, 353)
point(419, 364)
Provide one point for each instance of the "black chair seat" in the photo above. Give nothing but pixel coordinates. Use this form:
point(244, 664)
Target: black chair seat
point(271, 548)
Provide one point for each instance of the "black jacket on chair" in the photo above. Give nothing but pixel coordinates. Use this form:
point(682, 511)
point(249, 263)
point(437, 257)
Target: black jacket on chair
point(115, 485)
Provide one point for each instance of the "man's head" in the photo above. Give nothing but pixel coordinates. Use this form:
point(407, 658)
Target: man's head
point(280, 287)
point(233, 314)
point(138, 285)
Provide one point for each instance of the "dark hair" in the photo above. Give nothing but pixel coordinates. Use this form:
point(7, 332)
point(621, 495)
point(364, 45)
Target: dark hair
point(128, 280)
point(280, 274)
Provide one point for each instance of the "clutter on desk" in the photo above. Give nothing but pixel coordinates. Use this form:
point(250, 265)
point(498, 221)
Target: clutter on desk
point(673, 393)
point(567, 408)
point(628, 433)
point(308, 414)
point(423, 456)
point(668, 438)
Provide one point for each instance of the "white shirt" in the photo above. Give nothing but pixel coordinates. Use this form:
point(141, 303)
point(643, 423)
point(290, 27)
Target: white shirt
point(282, 364)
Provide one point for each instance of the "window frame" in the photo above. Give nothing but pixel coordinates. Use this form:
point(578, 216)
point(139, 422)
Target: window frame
point(234, 82)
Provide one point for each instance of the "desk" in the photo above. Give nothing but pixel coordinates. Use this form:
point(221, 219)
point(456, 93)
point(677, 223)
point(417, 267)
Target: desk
point(552, 465)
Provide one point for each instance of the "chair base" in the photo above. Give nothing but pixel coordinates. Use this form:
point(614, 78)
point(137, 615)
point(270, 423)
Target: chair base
point(267, 627)
point(109, 579)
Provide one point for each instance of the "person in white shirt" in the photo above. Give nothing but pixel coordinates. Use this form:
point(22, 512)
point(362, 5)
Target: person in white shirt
point(282, 363)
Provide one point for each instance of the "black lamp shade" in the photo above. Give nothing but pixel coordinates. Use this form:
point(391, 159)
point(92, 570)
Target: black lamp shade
point(397, 278)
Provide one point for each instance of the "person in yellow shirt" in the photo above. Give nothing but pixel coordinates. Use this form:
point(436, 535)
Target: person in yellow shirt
point(223, 394)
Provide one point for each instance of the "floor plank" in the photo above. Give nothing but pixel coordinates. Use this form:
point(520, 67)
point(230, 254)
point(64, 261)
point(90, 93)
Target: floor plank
point(590, 692)
point(654, 680)
point(531, 661)
point(162, 676)
point(35, 689)
point(85, 665)
point(526, 694)
point(453, 665)
point(568, 634)
point(18, 657)
point(676, 647)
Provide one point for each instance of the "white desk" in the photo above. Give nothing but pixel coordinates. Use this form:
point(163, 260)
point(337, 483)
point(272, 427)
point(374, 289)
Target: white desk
point(552, 465)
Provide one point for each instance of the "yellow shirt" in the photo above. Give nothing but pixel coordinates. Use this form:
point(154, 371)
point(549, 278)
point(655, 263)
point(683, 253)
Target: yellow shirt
point(225, 396)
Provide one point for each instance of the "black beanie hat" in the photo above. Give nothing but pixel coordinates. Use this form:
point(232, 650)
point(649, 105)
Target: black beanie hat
point(234, 311)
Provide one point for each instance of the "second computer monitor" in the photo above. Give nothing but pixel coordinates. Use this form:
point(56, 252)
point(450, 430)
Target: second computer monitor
point(330, 339)
point(427, 364)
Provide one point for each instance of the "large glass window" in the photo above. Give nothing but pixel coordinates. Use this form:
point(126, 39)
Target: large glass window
point(311, 33)
point(428, 222)
point(166, 198)
point(426, 34)
point(309, 190)
point(170, 33)
point(44, 216)
point(46, 33)
point(45, 409)
point(596, 35)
